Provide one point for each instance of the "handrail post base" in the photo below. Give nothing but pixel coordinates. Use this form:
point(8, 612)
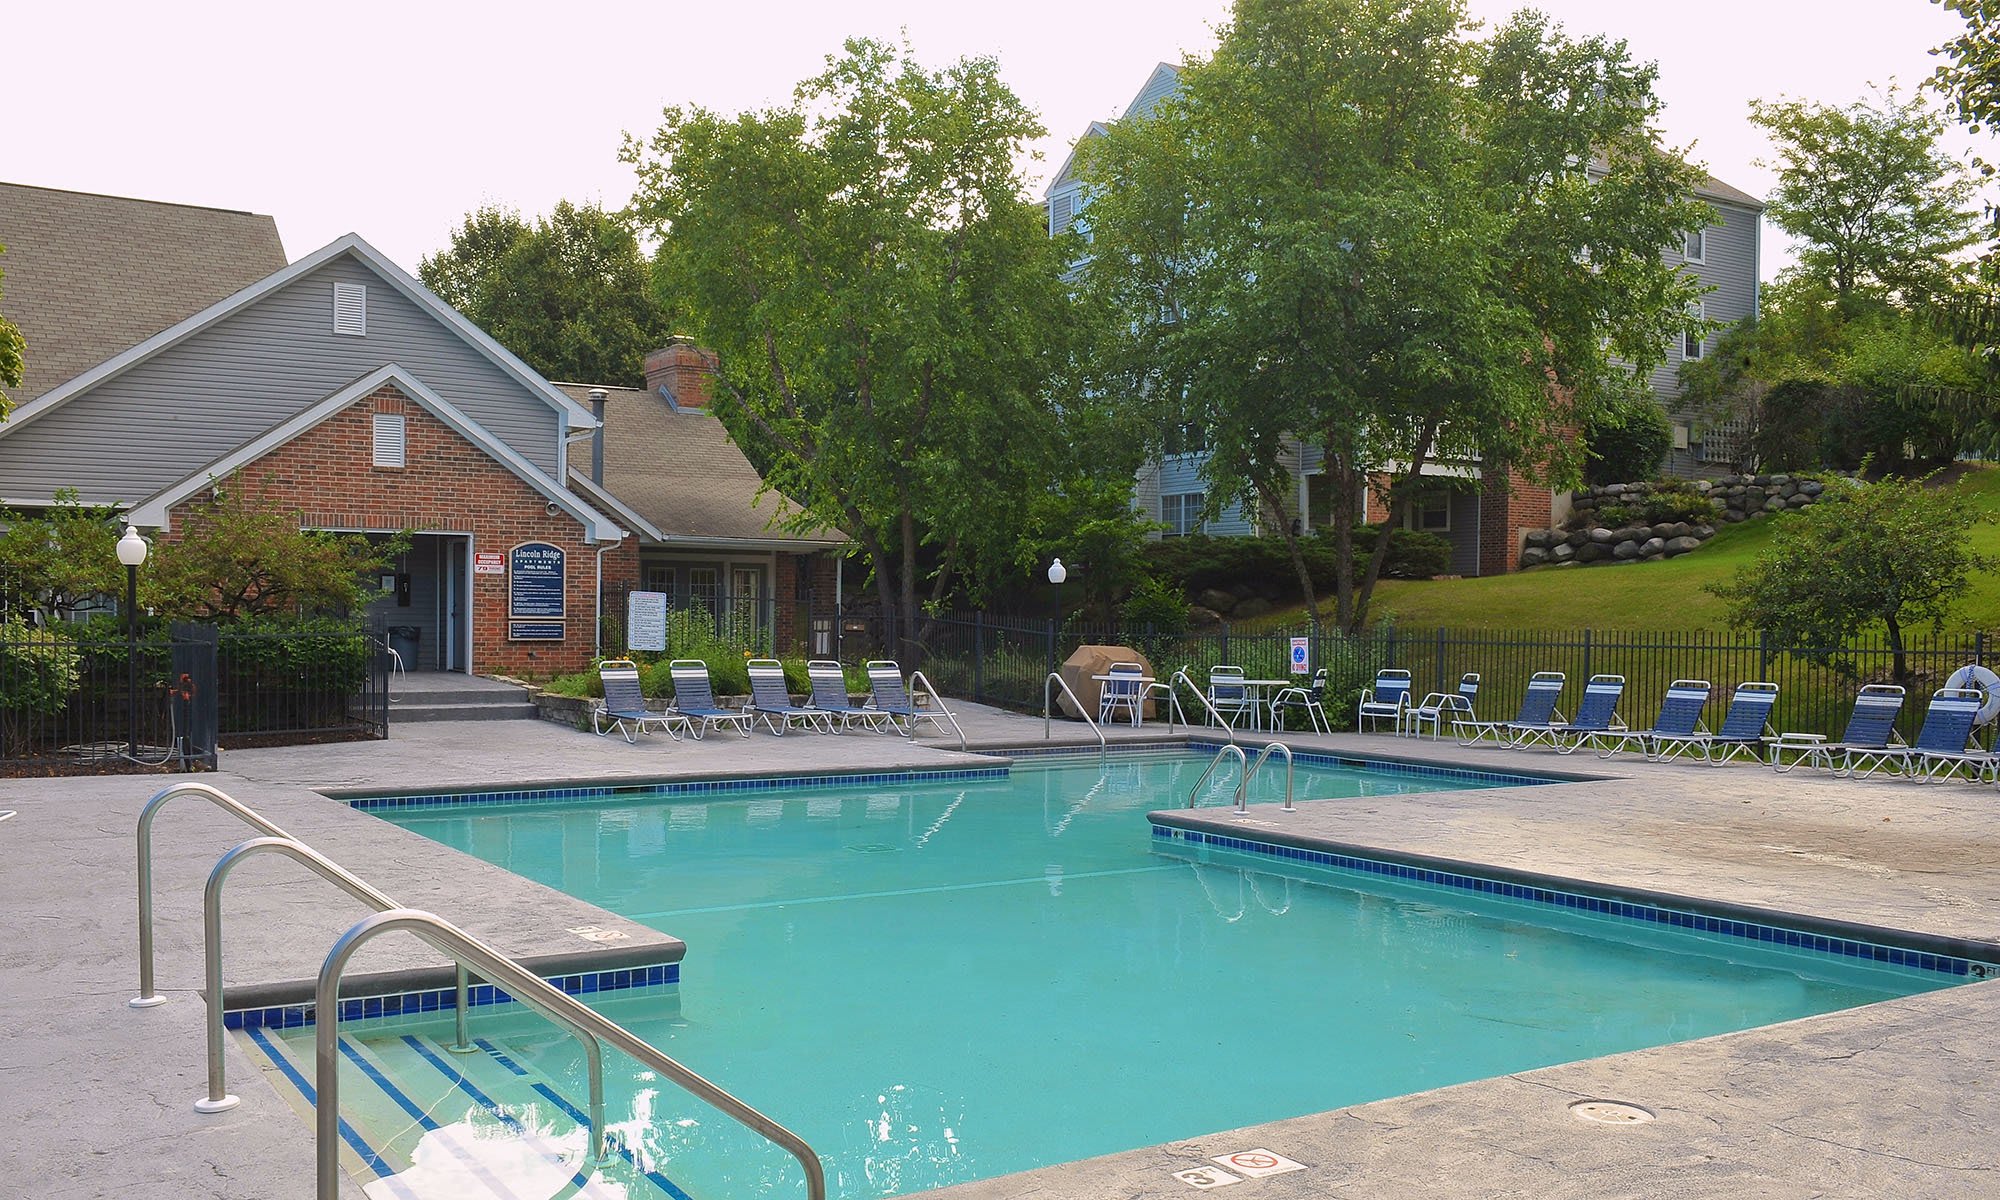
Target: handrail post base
point(208, 1106)
point(145, 1002)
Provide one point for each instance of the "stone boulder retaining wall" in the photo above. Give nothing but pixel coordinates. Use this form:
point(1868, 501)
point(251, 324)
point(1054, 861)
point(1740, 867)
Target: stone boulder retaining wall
point(1587, 540)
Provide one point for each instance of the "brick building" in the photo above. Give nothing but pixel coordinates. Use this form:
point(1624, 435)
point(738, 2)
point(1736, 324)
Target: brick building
point(172, 351)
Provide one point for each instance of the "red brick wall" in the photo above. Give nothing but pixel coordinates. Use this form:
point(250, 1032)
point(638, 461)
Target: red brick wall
point(1505, 515)
point(328, 476)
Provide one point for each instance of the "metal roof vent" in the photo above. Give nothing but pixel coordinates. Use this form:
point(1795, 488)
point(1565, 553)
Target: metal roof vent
point(350, 309)
point(390, 439)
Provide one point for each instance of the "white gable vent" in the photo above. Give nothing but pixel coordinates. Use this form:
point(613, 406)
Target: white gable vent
point(350, 309)
point(389, 437)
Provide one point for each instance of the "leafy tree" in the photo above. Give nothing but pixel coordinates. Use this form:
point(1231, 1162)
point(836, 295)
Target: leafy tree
point(1896, 552)
point(1970, 78)
point(235, 560)
point(58, 559)
point(1626, 439)
point(1878, 208)
point(887, 307)
point(1360, 228)
point(13, 349)
point(569, 294)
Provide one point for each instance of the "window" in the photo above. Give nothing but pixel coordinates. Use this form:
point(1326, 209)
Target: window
point(1430, 512)
point(350, 309)
point(1695, 249)
point(389, 439)
point(704, 587)
point(1181, 512)
point(1188, 437)
point(1691, 341)
point(660, 579)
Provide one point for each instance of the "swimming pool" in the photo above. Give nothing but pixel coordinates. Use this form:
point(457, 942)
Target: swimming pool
point(942, 981)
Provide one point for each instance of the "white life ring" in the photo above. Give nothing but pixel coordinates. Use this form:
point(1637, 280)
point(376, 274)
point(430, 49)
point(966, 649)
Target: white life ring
point(1973, 677)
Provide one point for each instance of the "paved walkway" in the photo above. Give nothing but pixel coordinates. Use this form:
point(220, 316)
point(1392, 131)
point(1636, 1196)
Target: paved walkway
point(1890, 1100)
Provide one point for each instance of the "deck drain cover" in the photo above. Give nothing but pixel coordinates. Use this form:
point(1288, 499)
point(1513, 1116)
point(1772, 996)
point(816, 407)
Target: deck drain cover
point(1609, 1112)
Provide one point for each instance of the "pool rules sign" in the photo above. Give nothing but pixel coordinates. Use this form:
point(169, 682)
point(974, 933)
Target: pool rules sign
point(536, 592)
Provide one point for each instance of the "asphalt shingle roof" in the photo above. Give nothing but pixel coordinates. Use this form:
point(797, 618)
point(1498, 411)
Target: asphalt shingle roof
point(681, 471)
point(87, 276)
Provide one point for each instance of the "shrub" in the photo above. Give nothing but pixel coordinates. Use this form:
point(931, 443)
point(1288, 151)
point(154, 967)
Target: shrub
point(1413, 554)
point(1625, 440)
point(40, 667)
point(1265, 564)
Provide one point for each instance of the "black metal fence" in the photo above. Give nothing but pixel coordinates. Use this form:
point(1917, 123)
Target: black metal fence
point(73, 699)
point(761, 624)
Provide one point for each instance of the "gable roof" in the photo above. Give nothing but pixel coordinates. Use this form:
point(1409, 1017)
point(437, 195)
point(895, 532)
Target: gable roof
point(86, 276)
point(154, 511)
point(1711, 188)
point(351, 245)
point(680, 471)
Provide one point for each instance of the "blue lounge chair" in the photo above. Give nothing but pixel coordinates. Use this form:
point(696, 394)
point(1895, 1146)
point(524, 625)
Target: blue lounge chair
point(1229, 697)
point(694, 698)
point(1679, 720)
point(829, 696)
point(1311, 700)
point(624, 704)
point(891, 701)
point(1386, 701)
point(771, 701)
point(1945, 745)
point(1431, 711)
point(1538, 712)
point(1597, 714)
point(1746, 728)
point(1871, 730)
point(1121, 692)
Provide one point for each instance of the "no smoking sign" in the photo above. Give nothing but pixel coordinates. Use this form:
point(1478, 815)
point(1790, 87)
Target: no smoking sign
point(1254, 1164)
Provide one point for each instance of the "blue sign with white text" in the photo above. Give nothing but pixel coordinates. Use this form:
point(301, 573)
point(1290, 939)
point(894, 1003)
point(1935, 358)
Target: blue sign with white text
point(535, 580)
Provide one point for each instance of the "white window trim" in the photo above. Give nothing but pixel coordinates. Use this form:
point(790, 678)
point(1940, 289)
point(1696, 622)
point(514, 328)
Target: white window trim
point(1700, 343)
point(350, 309)
point(1184, 501)
point(1699, 237)
point(391, 440)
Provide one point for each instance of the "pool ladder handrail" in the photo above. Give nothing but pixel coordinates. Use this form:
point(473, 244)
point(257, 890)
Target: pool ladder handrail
point(147, 997)
point(532, 990)
point(1181, 676)
point(1249, 770)
point(917, 677)
point(1048, 702)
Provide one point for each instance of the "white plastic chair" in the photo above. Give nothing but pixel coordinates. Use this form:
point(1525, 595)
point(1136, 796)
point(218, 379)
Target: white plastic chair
point(1120, 693)
point(1431, 711)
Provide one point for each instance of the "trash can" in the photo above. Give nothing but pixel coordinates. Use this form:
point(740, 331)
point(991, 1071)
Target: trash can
point(403, 642)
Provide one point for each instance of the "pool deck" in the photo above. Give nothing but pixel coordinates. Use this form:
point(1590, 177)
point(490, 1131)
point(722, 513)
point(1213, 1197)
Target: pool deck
point(1894, 1099)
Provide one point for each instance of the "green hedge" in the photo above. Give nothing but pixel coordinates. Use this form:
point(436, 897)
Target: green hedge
point(1200, 561)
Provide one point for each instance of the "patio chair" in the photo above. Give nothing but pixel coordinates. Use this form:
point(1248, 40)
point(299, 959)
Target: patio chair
point(829, 696)
point(1871, 731)
point(771, 700)
point(1538, 712)
point(891, 701)
point(1946, 742)
point(624, 704)
point(1386, 701)
point(1746, 728)
point(1596, 715)
point(1229, 696)
point(694, 699)
point(1434, 707)
point(1310, 700)
point(1679, 720)
point(1121, 692)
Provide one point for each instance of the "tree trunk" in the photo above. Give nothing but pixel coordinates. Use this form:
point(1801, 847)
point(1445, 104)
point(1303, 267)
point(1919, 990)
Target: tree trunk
point(1273, 500)
point(1899, 666)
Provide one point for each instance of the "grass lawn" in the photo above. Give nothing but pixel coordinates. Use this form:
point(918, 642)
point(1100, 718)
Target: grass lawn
point(1662, 595)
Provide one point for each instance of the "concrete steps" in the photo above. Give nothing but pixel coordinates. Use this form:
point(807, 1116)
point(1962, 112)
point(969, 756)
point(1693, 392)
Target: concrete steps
point(458, 700)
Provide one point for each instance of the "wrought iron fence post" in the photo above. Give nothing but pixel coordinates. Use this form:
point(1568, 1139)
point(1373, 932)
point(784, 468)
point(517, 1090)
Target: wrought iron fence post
point(979, 656)
point(1586, 652)
point(1225, 641)
point(1763, 654)
point(1979, 646)
point(1440, 660)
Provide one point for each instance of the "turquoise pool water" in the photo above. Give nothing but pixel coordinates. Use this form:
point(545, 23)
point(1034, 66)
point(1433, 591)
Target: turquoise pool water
point(941, 982)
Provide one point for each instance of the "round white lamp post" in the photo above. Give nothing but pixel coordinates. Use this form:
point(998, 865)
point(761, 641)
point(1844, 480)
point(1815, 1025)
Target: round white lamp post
point(132, 553)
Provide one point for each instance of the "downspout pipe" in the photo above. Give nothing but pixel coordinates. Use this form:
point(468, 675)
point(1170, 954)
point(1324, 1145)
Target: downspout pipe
point(597, 398)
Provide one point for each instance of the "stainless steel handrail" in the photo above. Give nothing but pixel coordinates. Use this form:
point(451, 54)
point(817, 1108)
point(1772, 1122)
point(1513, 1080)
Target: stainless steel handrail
point(147, 998)
point(1181, 676)
point(1243, 786)
point(1048, 703)
point(218, 1098)
point(531, 990)
point(1194, 796)
point(919, 677)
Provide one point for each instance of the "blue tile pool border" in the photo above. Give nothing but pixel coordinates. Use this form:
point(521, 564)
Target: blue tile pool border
point(1631, 909)
point(663, 790)
point(435, 1000)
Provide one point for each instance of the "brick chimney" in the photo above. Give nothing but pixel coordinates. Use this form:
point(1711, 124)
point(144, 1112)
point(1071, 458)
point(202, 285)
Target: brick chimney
point(684, 370)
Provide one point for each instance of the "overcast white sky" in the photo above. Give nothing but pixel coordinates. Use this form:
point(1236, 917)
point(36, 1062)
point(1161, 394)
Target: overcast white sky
point(394, 119)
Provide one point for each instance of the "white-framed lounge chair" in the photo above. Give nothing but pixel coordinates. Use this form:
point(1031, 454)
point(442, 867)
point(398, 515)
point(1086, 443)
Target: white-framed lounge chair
point(694, 698)
point(829, 696)
point(1385, 701)
point(1121, 692)
point(1310, 700)
point(1538, 711)
point(890, 700)
point(1870, 732)
point(1945, 744)
point(1229, 696)
point(623, 708)
point(771, 700)
point(1679, 720)
point(1596, 715)
point(1434, 707)
point(1746, 728)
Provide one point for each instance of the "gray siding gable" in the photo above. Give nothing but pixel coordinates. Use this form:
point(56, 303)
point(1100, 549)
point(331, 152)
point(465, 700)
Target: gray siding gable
point(164, 418)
